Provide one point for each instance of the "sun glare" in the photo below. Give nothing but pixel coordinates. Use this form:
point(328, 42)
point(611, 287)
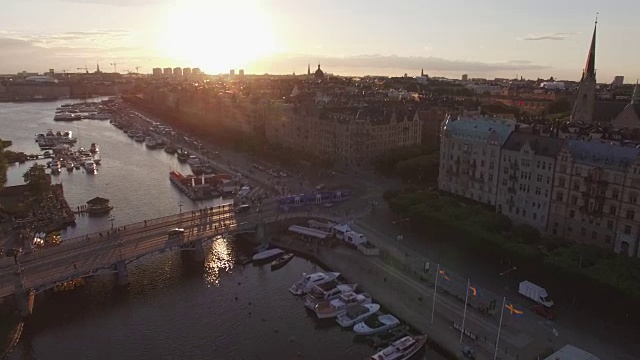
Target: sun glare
point(217, 35)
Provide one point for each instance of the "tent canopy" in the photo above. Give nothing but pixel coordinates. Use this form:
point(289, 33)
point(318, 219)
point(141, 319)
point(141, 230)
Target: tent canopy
point(308, 231)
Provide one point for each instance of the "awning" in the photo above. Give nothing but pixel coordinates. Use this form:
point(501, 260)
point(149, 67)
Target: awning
point(308, 231)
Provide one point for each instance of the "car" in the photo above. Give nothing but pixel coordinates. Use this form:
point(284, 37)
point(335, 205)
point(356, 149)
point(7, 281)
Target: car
point(242, 209)
point(544, 311)
point(176, 231)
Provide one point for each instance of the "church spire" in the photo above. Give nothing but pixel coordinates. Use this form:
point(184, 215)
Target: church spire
point(590, 67)
point(308, 68)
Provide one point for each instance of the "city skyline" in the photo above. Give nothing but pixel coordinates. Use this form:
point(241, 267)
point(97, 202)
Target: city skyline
point(281, 37)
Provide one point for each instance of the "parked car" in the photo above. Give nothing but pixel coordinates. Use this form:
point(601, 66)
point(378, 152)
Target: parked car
point(543, 311)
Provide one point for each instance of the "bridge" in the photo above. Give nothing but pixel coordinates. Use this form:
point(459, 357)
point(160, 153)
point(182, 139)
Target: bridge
point(114, 248)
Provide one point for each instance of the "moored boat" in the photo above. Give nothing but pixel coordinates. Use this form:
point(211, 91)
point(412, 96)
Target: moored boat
point(94, 148)
point(307, 282)
point(401, 349)
point(357, 313)
point(183, 155)
point(267, 254)
point(69, 166)
point(170, 149)
point(326, 291)
point(281, 261)
point(376, 324)
point(335, 307)
point(90, 166)
point(139, 138)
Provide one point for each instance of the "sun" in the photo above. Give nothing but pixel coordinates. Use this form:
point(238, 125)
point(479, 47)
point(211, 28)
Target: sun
point(217, 35)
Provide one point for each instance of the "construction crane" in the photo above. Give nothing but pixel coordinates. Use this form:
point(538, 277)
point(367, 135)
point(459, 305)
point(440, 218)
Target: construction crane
point(85, 68)
point(115, 66)
point(64, 71)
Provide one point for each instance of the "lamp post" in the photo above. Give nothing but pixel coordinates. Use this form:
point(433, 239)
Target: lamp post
point(112, 219)
point(508, 271)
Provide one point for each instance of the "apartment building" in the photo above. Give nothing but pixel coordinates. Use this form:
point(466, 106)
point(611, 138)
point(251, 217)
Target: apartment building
point(526, 174)
point(470, 156)
point(595, 196)
point(350, 135)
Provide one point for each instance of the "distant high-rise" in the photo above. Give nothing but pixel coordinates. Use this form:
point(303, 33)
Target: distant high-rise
point(583, 106)
point(177, 71)
point(157, 71)
point(241, 72)
point(465, 77)
point(232, 72)
point(186, 72)
point(167, 71)
point(196, 71)
point(618, 81)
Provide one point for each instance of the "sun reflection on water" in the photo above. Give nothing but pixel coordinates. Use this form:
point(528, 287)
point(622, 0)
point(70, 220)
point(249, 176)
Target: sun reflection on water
point(220, 259)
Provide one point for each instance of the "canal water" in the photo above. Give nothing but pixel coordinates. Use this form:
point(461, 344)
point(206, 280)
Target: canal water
point(173, 308)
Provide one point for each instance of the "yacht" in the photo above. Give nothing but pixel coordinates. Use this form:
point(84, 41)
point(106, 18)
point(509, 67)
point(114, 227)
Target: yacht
point(357, 313)
point(376, 324)
point(94, 148)
point(183, 155)
point(150, 142)
point(55, 167)
point(401, 349)
point(77, 165)
point(332, 308)
point(326, 291)
point(98, 116)
point(69, 166)
point(90, 166)
point(132, 133)
point(170, 149)
point(65, 117)
point(139, 138)
point(307, 282)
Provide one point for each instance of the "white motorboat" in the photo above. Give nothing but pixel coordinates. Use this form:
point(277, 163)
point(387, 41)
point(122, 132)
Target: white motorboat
point(139, 138)
point(94, 148)
point(326, 291)
point(132, 133)
point(267, 254)
point(332, 308)
point(376, 324)
point(150, 142)
point(401, 349)
point(90, 166)
point(55, 167)
point(69, 166)
point(307, 282)
point(260, 248)
point(357, 313)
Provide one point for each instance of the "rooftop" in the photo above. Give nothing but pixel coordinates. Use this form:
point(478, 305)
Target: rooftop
point(541, 145)
point(602, 154)
point(479, 129)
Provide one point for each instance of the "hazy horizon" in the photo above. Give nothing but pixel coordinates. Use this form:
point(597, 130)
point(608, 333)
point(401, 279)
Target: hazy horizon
point(494, 38)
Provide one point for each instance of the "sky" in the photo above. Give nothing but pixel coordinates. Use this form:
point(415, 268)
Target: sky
point(481, 38)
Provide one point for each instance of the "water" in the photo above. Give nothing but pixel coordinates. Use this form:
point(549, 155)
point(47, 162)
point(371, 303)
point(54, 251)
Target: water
point(135, 179)
point(173, 308)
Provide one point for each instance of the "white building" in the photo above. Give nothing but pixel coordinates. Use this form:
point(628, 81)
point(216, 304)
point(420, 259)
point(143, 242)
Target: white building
point(470, 156)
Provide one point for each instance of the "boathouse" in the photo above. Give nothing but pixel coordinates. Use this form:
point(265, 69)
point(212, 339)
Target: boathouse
point(98, 205)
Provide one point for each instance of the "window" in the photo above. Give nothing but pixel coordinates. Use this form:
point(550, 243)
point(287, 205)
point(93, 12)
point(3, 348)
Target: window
point(610, 225)
point(561, 182)
point(583, 232)
point(612, 210)
point(576, 185)
point(535, 216)
point(538, 191)
point(559, 196)
point(482, 163)
point(594, 235)
point(538, 164)
point(491, 165)
point(578, 171)
point(539, 178)
point(574, 200)
point(615, 194)
point(563, 168)
point(490, 177)
point(630, 214)
point(572, 214)
point(504, 182)
point(633, 198)
point(607, 239)
point(627, 229)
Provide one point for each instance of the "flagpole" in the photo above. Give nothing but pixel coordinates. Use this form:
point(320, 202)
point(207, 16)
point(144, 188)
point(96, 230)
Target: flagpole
point(495, 354)
point(464, 316)
point(435, 289)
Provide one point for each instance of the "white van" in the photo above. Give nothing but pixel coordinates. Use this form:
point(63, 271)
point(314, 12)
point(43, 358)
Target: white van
point(535, 293)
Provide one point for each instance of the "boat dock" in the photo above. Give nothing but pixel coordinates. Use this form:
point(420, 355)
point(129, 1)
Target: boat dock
point(198, 187)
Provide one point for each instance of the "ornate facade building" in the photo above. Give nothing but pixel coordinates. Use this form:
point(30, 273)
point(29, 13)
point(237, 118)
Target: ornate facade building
point(470, 156)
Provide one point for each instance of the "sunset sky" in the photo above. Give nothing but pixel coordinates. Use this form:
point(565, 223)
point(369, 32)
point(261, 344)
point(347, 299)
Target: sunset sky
point(484, 38)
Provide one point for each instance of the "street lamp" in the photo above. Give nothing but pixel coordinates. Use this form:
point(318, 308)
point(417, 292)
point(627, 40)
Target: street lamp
point(112, 219)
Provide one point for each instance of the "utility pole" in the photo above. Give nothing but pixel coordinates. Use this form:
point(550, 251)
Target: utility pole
point(115, 66)
point(137, 68)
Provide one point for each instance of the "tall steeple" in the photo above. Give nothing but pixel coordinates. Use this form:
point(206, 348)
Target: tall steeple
point(590, 67)
point(586, 96)
point(309, 69)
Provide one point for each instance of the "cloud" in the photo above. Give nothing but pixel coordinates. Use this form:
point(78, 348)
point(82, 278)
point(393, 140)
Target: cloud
point(548, 36)
point(392, 63)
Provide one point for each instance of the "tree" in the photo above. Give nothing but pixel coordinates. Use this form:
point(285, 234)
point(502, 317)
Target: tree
point(37, 179)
